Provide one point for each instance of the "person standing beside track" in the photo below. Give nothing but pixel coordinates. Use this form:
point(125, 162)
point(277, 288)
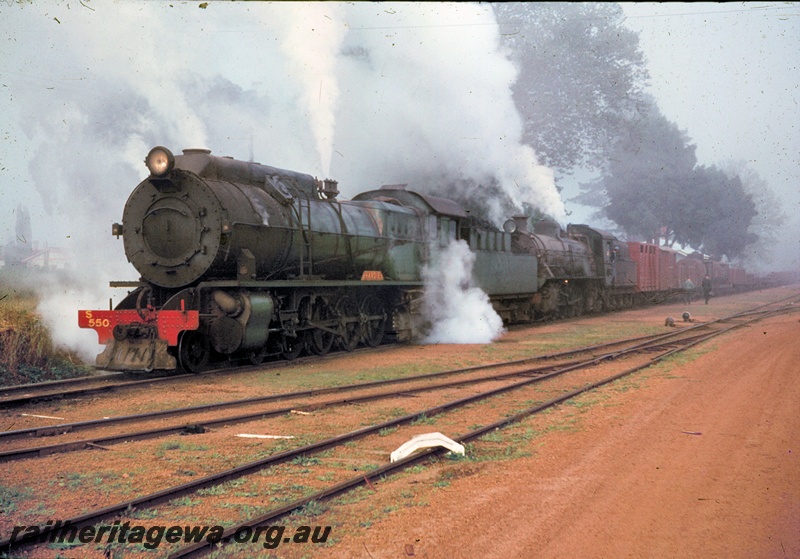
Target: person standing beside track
point(688, 291)
point(706, 288)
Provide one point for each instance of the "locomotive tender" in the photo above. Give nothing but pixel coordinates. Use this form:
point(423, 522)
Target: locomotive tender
point(243, 260)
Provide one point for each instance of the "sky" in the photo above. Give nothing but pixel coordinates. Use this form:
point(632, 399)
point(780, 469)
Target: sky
point(729, 75)
point(365, 93)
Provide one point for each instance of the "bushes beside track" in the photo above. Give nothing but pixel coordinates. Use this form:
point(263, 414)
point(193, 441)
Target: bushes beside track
point(27, 351)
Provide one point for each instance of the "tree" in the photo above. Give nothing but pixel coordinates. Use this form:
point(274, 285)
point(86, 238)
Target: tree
point(649, 170)
point(654, 189)
point(580, 72)
point(721, 212)
point(767, 222)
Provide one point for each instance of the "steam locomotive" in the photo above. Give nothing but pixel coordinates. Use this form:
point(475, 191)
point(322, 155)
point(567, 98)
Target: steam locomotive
point(240, 260)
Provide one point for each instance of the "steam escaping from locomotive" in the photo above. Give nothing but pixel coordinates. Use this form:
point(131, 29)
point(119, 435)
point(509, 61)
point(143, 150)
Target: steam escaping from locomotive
point(57, 304)
point(436, 109)
point(457, 310)
point(315, 54)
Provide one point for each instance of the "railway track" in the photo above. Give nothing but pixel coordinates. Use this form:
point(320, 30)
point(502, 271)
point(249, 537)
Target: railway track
point(110, 381)
point(644, 343)
point(106, 381)
point(11, 396)
point(641, 344)
point(698, 334)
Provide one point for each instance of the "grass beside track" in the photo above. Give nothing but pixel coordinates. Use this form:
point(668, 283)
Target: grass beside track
point(27, 351)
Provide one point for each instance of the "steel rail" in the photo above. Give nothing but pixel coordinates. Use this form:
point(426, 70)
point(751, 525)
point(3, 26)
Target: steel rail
point(60, 382)
point(46, 450)
point(28, 398)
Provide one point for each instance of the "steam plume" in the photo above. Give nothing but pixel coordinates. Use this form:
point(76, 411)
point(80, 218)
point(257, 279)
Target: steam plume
point(427, 101)
point(459, 312)
point(311, 38)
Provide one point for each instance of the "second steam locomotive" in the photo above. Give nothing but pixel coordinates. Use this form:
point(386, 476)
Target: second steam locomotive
point(243, 260)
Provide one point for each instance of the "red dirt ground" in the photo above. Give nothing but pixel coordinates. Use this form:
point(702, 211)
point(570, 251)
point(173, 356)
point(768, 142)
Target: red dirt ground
point(701, 460)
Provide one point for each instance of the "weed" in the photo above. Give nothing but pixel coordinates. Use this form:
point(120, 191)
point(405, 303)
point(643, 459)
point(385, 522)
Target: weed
point(39, 510)
point(625, 384)
point(74, 480)
point(214, 490)
point(304, 460)
point(178, 445)
point(281, 498)
point(145, 514)
point(313, 508)
point(9, 497)
point(493, 437)
point(60, 545)
point(358, 494)
point(585, 401)
point(424, 420)
point(184, 502)
point(457, 457)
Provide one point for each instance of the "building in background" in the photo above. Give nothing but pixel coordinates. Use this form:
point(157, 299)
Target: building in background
point(22, 251)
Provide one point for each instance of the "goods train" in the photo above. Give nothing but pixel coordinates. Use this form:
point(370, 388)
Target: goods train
point(240, 261)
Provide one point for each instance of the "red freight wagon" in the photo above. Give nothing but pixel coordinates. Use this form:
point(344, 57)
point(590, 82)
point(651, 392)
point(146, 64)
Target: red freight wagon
point(667, 269)
point(693, 269)
point(719, 273)
point(737, 277)
point(646, 257)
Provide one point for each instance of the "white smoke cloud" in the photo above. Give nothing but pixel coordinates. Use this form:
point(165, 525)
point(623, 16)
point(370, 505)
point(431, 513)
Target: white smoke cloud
point(458, 311)
point(59, 303)
point(426, 100)
point(310, 38)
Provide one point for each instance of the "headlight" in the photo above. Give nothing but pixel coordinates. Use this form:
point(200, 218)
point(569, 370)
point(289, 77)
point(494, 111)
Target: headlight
point(159, 161)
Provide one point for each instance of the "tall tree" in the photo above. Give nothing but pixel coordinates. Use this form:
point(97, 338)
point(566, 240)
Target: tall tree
point(721, 212)
point(580, 71)
point(655, 189)
point(767, 222)
point(648, 172)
